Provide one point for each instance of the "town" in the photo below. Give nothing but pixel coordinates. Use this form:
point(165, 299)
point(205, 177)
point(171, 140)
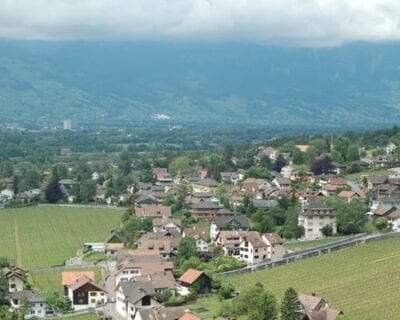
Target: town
point(186, 219)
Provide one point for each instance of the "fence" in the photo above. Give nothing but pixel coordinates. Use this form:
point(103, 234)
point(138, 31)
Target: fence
point(313, 252)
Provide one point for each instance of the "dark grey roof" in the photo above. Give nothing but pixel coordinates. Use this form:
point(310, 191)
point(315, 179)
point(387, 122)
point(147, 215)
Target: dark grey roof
point(206, 205)
point(264, 204)
point(31, 296)
point(136, 290)
point(221, 221)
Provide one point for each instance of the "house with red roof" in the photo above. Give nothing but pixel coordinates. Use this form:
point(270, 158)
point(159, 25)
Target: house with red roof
point(194, 281)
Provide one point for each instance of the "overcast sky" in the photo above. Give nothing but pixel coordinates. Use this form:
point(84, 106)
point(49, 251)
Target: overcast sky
point(293, 22)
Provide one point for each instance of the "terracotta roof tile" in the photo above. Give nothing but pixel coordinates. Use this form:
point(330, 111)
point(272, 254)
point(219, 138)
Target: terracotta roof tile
point(69, 277)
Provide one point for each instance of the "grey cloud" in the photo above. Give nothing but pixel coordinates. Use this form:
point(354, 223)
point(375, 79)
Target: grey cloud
point(292, 22)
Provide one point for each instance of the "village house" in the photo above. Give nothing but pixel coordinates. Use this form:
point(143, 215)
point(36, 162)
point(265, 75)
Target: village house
point(132, 296)
point(229, 242)
point(236, 222)
point(269, 152)
point(84, 293)
point(194, 280)
point(37, 303)
point(307, 196)
point(205, 210)
point(143, 263)
point(314, 217)
point(151, 211)
point(161, 281)
point(199, 236)
point(161, 225)
point(16, 278)
point(162, 176)
point(146, 199)
point(282, 183)
point(114, 242)
point(390, 148)
point(264, 204)
point(312, 307)
point(166, 243)
point(203, 185)
point(252, 248)
point(383, 211)
point(394, 219)
point(288, 171)
point(254, 188)
point(197, 197)
point(161, 313)
point(68, 278)
point(352, 195)
point(275, 246)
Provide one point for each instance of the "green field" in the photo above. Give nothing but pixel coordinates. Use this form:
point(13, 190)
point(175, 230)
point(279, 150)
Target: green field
point(86, 316)
point(302, 245)
point(50, 281)
point(363, 281)
point(40, 237)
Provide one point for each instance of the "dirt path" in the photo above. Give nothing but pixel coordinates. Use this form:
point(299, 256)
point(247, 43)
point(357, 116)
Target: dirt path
point(17, 245)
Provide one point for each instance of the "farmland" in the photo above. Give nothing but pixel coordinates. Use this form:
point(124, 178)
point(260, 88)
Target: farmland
point(46, 236)
point(362, 281)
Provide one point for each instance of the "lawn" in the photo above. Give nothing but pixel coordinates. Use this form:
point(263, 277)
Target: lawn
point(363, 281)
point(86, 316)
point(50, 281)
point(373, 172)
point(302, 245)
point(40, 237)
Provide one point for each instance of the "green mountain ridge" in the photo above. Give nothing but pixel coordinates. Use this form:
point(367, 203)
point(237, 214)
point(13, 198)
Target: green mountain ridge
point(124, 84)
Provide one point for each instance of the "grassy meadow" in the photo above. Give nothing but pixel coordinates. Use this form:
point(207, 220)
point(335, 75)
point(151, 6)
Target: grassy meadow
point(363, 281)
point(46, 236)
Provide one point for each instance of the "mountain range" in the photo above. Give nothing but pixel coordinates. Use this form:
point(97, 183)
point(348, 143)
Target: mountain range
point(128, 84)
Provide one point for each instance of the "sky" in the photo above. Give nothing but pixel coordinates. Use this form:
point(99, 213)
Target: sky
point(278, 22)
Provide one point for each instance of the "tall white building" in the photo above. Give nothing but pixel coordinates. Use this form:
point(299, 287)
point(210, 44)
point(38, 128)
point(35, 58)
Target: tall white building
point(67, 124)
point(314, 217)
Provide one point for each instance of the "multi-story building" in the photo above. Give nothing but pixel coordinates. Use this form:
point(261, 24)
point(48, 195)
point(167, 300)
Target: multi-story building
point(314, 217)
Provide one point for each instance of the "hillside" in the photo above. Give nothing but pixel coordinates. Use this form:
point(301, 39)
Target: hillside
point(118, 84)
point(362, 281)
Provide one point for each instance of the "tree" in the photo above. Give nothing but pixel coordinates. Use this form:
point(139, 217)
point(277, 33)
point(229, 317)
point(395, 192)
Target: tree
point(289, 305)
point(3, 290)
point(382, 224)
point(350, 217)
point(341, 146)
point(182, 164)
point(88, 190)
point(257, 303)
point(352, 153)
point(321, 165)
point(280, 162)
point(58, 302)
point(53, 192)
point(6, 169)
point(186, 249)
point(327, 230)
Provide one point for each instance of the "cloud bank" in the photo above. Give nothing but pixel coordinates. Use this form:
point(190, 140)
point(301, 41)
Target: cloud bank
point(282, 22)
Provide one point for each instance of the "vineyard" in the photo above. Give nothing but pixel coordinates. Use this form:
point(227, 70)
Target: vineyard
point(363, 281)
point(40, 237)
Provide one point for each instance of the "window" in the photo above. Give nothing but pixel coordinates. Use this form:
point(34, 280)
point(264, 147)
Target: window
point(93, 301)
point(309, 229)
point(93, 293)
point(13, 286)
point(146, 301)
